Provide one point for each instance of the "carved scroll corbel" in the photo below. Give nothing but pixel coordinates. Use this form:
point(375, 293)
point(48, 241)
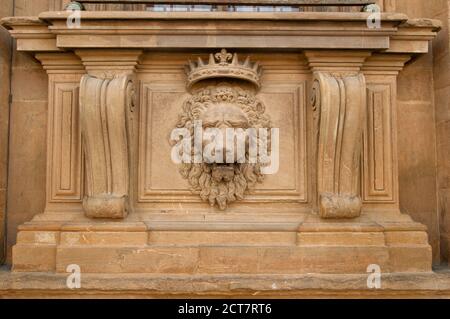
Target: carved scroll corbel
point(104, 108)
point(339, 103)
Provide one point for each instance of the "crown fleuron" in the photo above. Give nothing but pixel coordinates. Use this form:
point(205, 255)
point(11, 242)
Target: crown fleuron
point(223, 65)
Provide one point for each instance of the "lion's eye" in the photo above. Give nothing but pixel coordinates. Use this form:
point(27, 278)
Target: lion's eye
point(210, 124)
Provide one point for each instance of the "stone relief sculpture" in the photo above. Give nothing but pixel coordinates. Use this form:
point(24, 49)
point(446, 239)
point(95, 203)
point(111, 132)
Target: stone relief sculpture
point(104, 108)
point(276, 230)
point(222, 106)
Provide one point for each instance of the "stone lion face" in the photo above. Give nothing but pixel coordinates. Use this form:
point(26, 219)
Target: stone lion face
point(223, 116)
point(222, 107)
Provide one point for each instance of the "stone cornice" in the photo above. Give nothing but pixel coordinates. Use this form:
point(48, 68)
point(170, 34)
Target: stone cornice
point(32, 34)
point(280, 31)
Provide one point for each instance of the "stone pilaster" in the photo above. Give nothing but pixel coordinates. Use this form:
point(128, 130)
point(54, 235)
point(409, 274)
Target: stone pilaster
point(64, 154)
point(380, 150)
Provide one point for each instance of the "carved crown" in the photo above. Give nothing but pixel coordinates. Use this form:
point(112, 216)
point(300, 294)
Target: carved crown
point(223, 65)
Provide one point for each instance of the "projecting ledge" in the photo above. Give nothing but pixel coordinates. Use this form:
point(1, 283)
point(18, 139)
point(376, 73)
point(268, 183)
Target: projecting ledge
point(23, 285)
point(279, 31)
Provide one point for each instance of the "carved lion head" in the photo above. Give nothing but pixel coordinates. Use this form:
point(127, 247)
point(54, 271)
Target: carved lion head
point(224, 106)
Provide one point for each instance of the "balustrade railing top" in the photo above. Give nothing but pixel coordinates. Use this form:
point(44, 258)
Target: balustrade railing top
point(242, 2)
point(227, 5)
point(315, 3)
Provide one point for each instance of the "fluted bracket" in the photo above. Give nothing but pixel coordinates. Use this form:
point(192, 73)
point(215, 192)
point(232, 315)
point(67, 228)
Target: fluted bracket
point(104, 108)
point(338, 101)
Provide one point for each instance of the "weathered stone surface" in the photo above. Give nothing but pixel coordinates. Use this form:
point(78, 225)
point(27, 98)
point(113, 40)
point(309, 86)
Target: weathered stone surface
point(105, 105)
point(5, 71)
point(339, 105)
point(105, 108)
point(27, 131)
point(365, 152)
point(45, 285)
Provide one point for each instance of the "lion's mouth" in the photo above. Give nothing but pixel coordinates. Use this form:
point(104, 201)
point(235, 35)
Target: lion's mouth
point(223, 172)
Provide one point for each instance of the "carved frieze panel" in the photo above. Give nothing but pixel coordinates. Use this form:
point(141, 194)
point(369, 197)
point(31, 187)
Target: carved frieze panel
point(159, 179)
point(163, 91)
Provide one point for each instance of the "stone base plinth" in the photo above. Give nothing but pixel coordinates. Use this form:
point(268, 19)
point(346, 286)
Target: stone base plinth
point(223, 247)
point(48, 285)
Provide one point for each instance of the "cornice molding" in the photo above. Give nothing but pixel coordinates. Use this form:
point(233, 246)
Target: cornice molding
point(214, 30)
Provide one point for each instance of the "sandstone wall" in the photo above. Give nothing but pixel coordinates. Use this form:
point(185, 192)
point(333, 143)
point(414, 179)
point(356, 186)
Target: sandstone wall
point(417, 152)
point(439, 65)
point(441, 51)
point(6, 9)
point(27, 148)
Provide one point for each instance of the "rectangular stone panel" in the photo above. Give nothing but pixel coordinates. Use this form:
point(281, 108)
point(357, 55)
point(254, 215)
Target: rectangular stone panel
point(159, 179)
point(378, 169)
point(161, 103)
point(65, 165)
